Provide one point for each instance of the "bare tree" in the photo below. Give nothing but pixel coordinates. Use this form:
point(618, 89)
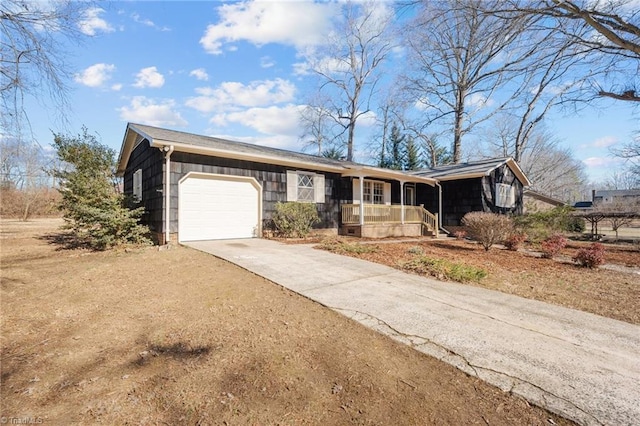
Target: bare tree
point(462, 58)
point(552, 169)
point(608, 30)
point(631, 153)
point(349, 64)
point(33, 60)
point(621, 180)
point(320, 128)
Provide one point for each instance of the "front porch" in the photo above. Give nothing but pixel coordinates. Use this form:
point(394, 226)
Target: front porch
point(381, 221)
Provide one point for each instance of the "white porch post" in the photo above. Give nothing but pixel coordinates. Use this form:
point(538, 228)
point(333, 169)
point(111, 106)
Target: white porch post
point(402, 202)
point(361, 182)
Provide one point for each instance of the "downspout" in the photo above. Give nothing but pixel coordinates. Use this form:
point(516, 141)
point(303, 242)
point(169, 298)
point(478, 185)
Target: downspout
point(167, 193)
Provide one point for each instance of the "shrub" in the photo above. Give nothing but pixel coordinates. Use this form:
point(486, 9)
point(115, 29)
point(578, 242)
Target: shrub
point(444, 269)
point(590, 257)
point(541, 225)
point(295, 219)
point(515, 240)
point(487, 228)
point(94, 211)
point(552, 245)
point(460, 235)
point(416, 250)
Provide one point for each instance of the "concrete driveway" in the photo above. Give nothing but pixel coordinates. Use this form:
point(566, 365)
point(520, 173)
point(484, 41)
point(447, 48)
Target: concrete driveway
point(582, 366)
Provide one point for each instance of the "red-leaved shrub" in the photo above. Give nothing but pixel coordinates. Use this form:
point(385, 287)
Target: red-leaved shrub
point(552, 245)
point(590, 257)
point(515, 240)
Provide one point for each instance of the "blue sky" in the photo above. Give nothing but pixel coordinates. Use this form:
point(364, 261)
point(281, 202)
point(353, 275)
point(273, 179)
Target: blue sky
point(233, 70)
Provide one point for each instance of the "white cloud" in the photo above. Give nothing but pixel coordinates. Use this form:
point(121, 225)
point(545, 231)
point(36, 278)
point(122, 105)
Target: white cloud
point(91, 22)
point(290, 143)
point(95, 75)
point(296, 23)
point(148, 22)
point(200, 74)
point(601, 161)
point(604, 142)
point(267, 62)
point(235, 94)
point(116, 87)
point(271, 120)
point(149, 77)
point(147, 111)
point(478, 101)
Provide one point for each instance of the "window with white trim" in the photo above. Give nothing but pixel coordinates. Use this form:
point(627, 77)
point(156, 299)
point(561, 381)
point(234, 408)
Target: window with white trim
point(373, 192)
point(305, 187)
point(137, 185)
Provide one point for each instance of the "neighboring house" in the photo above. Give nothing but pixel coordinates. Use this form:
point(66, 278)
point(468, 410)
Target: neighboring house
point(622, 197)
point(219, 189)
point(538, 202)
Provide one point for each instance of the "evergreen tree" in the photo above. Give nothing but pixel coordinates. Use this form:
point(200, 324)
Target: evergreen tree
point(94, 210)
point(396, 141)
point(412, 160)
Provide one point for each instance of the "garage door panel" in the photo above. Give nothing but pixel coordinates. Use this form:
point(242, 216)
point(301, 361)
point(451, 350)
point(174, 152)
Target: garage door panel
point(216, 208)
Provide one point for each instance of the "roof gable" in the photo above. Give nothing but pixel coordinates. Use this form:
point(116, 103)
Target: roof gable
point(473, 169)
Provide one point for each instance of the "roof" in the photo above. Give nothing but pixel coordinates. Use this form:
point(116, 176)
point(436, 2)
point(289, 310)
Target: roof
point(542, 197)
point(615, 193)
point(212, 146)
point(473, 169)
point(583, 205)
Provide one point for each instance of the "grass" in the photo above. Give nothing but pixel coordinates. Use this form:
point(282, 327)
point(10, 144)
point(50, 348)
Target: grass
point(346, 247)
point(444, 269)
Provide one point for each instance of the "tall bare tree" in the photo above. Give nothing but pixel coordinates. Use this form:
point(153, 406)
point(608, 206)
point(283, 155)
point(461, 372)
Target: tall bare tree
point(349, 64)
point(608, 30)
point(33, 60)
point(462, 57)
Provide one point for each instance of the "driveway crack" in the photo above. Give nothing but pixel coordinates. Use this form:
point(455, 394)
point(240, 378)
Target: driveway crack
point(416, 341)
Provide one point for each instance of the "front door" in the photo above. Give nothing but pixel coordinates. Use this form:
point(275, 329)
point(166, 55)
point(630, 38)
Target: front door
point(409, 195)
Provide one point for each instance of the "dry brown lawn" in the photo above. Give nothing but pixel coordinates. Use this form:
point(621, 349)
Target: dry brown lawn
point(177, 336)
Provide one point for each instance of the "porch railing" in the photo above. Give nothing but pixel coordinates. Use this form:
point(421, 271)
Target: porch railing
point(381, 214)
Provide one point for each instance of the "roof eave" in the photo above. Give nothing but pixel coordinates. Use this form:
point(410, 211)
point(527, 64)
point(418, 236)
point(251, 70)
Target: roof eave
point(376, 172)
point(192, 149)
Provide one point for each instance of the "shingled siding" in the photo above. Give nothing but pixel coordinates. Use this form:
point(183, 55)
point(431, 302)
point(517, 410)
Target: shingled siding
point(459, 198)
point(272, 178)
point(150, 160)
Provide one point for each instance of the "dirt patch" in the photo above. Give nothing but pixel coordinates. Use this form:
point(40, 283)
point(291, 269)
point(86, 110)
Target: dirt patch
point(154, 336)
point(605, 292)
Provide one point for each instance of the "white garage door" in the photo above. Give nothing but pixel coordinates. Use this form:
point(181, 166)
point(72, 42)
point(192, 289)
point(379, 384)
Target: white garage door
point(214, 207)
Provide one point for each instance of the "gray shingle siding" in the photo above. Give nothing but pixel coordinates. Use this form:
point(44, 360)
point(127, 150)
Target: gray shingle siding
point(150, 160)
point(272, 178)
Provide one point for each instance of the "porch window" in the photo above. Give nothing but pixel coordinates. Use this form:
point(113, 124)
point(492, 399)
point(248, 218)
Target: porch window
point(373, 192)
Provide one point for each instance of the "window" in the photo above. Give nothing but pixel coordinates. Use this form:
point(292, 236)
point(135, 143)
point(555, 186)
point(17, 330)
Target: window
point(306, 187)
point(373, 192)
point(505, 195)
point(137, 185)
